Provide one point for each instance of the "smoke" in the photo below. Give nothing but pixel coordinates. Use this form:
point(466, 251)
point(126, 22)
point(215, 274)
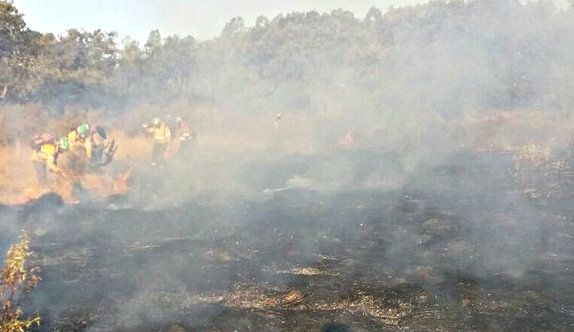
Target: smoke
point(375, 153)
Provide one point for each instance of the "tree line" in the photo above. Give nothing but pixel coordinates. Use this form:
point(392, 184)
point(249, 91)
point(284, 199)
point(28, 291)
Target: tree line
point(445, 57)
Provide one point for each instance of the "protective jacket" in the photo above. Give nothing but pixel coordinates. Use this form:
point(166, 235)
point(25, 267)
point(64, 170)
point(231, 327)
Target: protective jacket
point(48, 154)
point(161, 133)
point(76, 141)
point(184, 132)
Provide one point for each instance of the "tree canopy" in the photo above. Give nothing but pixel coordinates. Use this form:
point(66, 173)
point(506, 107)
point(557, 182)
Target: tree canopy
point(443, 57)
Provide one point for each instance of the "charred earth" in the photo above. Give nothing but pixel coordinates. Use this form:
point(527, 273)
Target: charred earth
point(453, 246)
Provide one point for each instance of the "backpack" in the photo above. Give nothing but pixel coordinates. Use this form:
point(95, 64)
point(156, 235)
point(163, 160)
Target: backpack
point(102, 132)
point(40, 140)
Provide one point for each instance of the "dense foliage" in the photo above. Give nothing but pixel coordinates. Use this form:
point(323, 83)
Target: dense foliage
point(445, 57)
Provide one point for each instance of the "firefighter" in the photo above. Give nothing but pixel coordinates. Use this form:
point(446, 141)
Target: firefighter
point(103, 147)
point(277, 121)
point(161, 134)
point(347, 140)
point(81, 148)
point(45, 158)
point(184, 137)
point(276, 135)
point(80, 139)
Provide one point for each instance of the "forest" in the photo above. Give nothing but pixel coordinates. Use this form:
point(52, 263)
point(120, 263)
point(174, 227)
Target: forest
point(445, 57)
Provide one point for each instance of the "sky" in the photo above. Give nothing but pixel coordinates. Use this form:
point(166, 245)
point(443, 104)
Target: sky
point(202, 19)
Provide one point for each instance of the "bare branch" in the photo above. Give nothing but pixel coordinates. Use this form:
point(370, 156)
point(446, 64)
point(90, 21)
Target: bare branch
point(4, 91)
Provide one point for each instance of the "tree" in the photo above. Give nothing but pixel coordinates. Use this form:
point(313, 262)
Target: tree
point(233, 27)
point(153, 42)
point(373, 17)
point(262, 22)
point(12, 29)
point(18, 46)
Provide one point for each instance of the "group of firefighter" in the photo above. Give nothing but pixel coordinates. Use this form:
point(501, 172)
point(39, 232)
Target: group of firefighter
point(90, 147)
point(172, 137)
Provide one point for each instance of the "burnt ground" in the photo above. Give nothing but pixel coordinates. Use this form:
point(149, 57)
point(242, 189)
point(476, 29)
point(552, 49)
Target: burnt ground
point(459, 246)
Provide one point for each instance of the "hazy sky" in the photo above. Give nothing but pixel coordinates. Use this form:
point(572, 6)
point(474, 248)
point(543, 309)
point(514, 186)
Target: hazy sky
point(200, 18)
